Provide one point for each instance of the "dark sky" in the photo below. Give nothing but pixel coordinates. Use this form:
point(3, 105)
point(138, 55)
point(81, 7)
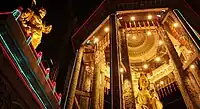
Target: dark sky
point(60, 13)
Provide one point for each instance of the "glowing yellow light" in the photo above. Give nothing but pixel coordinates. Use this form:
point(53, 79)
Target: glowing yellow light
point(158, 15)
point(106, 29)
point(163, 10)
point(149, 17)
point(148, 33)
point(160, 42)
point(175, 24)
point(161, 82)
point(157, 59)
point(121, 70)
point(145, 66)
point(134, 37)
point(185, 61)
point(120, 18)
point(128, 34)
point(189, 51)
point(132, 18)
point(192, 66)
point(92, 68)
point(96, 40)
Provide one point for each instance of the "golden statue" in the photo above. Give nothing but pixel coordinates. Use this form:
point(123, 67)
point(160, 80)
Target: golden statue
point(32, 25)
point(145, 99)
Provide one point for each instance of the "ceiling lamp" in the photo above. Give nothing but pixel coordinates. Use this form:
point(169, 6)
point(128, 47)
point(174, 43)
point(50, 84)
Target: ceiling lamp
point(158, 15)
point(185, 61)
point(145, 66)
point(160, 42)
point(161, 82)
point(149, 17)
point(120, 18)
point(157, 59)
point(163, 10)
point(148, 33)
point(132, 18)
point(106, 29)
point(121, 70)
point(96, 40)
point(175, 25)
point(134, 37)
point(192, 66)
point(189, 51)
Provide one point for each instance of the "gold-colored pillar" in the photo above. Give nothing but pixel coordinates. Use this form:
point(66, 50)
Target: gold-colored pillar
point(194, 89)
point(88, 74)
point(102, 91)
point(96, 83)
point(128, 85)
point(70, 99)
point(128, 94)
point(178, 72)
point(196, 75)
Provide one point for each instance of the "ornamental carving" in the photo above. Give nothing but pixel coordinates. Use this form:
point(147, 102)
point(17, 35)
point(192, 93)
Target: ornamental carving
point(128, 95)
point(8, 98)
point(192, 89)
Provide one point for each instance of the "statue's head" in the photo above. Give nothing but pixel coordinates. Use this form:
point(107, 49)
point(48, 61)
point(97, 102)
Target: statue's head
point(143, 82)
point(42, 12)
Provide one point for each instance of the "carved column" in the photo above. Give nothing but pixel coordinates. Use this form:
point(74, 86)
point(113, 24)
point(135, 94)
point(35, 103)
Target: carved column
point(102, 91)
point(180, 75)
point(84, 104)
point(116, 96)
point(70, 99)
point(196, 74)
point(96, 83)
point(128, 92)
point(194, 89)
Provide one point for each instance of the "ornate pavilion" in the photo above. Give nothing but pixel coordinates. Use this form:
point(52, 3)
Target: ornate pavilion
point(136, 55)
point(141, 54)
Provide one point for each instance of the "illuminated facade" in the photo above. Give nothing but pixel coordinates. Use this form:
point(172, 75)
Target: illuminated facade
point(136, 55)
point(24, 81)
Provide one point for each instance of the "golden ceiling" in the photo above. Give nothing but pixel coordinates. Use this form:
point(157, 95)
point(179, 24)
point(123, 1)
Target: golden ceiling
point(142, 45)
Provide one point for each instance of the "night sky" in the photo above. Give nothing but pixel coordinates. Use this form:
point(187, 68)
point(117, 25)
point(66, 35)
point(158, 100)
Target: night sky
point(62, 14)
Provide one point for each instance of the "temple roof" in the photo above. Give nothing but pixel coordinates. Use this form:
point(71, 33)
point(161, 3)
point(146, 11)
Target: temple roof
point(104, 10)
point(110, 6)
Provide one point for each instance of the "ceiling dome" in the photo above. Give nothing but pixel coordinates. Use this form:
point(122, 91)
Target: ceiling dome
point(142, 45)
point(135, 40)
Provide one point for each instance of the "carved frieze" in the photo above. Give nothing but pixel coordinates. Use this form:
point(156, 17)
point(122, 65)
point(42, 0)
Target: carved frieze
point(8, 97)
